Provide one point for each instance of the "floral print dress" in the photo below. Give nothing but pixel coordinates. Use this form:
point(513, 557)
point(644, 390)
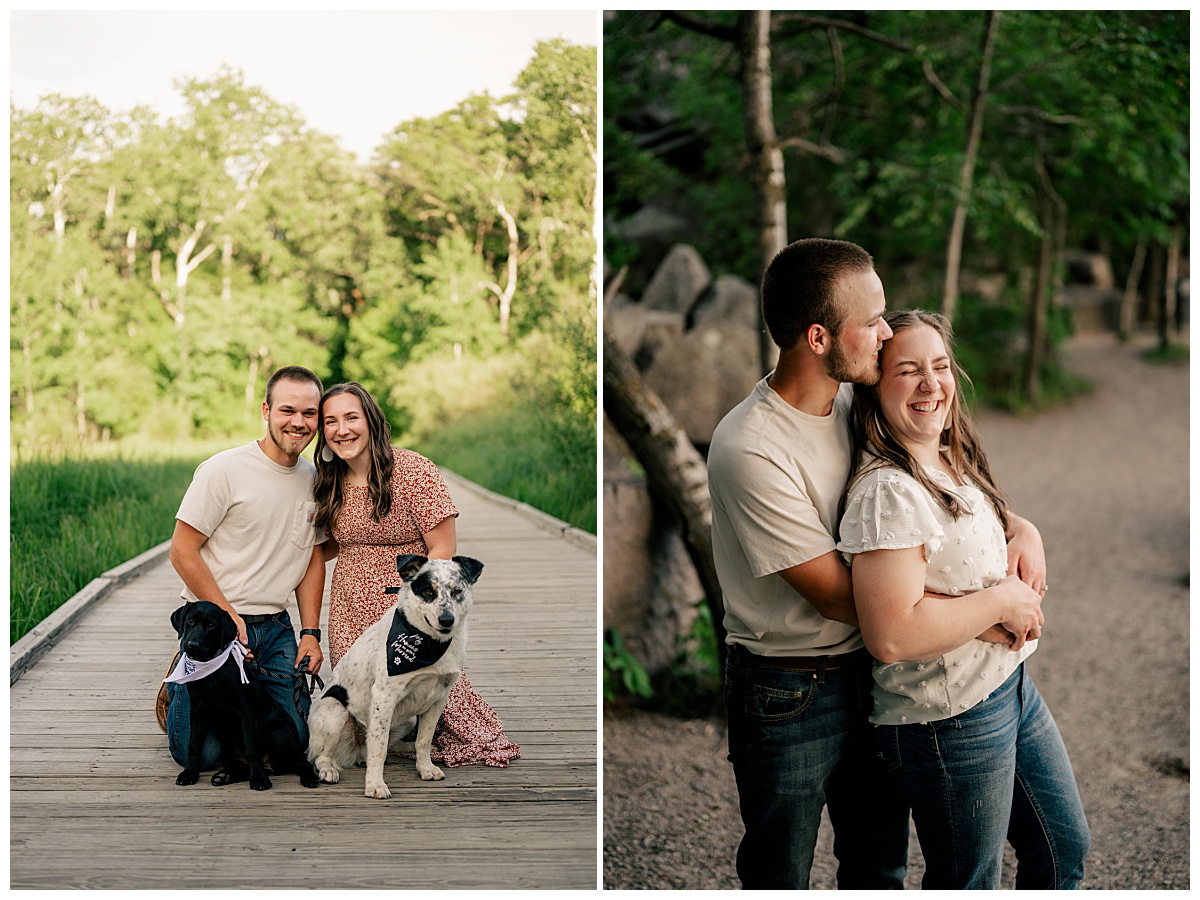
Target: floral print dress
point(470, 730)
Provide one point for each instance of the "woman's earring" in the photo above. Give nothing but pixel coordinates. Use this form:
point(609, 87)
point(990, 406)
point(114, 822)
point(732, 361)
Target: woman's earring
point(327, 454)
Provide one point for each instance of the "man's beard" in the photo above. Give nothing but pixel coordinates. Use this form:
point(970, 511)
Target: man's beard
point(290, 446)
point(837, 367)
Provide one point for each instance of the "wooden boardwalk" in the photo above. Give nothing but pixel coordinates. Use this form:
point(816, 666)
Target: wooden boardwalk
point(93, 800)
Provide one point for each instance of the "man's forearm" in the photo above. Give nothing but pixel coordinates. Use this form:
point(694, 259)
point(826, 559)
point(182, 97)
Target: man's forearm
point(311, 590)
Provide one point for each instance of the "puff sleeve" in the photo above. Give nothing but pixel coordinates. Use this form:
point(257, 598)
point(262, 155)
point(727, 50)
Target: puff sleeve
point(889, 510)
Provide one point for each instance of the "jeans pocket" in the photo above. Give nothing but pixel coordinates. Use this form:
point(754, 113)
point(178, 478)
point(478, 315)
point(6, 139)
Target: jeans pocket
point(887, 740)
point(771, 704)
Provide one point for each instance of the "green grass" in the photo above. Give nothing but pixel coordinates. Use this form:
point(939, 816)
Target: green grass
point(73, 518)
point(76, 514)
point(511, 452)
point(1169, 355)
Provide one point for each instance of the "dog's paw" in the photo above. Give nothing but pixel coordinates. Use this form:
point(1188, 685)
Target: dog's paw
point(310, 779)
point(378, 791)
point(330, 774)
point(430, 773)
point(260, 783)
point(187, 776)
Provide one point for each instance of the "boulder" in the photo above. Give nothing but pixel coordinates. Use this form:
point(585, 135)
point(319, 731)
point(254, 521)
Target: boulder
point(650, 585)
point(640, 332)
point(679, 280)
point(729, 298)
point(1090, 268)
point(705, 374)
point(652, 225)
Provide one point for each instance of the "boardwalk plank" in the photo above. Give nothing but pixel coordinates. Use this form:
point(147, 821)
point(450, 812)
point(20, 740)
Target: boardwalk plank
point(93, 803)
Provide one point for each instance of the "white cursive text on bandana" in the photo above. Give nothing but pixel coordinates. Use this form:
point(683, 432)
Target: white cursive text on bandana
point(193, 670)
point(409, 649)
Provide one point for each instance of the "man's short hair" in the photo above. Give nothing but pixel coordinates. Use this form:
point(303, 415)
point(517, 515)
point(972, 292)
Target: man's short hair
point(799, 287)
point(292, 373)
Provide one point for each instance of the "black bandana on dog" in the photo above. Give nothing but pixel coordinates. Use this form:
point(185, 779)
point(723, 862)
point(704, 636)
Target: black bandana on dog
point(409, 649)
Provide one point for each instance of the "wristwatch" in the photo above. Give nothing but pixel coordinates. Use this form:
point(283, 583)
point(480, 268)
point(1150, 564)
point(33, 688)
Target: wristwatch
point(315, 632)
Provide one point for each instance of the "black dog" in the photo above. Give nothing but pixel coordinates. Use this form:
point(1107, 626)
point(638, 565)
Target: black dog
point(244, 718)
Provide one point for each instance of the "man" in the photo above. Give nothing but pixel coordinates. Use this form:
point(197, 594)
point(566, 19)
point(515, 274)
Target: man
point(798, 677)
point(245, 540)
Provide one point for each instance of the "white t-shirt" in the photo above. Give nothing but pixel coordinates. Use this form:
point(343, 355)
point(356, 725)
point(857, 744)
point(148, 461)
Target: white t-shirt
point(775, 476)
point(258, 516)
point(890, 510)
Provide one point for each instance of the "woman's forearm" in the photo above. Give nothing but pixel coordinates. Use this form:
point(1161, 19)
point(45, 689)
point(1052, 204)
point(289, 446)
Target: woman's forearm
point(901, 621)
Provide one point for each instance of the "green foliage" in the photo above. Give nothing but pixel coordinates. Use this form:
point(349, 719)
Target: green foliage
point(1172, 354)
point(989, 346)
point(489, 423)
point(161, 270)
point(1092, 105)
point(73, 518)
point(623, 673)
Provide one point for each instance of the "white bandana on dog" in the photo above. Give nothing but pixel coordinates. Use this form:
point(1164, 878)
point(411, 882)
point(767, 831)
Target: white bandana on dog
point(193, 670)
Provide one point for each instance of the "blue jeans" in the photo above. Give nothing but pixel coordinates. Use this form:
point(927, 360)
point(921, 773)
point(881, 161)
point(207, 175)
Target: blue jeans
point(798, 741)
point(997, 770)
point(273, 644)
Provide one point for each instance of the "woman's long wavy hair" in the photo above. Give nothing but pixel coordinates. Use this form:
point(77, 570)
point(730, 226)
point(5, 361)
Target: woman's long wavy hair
point(329, 489)
point(874, 446)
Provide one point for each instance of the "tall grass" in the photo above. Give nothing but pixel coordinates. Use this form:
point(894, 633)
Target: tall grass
point(73, 518)
point(511, 452)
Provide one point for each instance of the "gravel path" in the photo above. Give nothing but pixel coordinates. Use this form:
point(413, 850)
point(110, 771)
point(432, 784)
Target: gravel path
point(1106, 480)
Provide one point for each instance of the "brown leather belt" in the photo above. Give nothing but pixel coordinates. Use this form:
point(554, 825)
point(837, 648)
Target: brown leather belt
point(809, 663)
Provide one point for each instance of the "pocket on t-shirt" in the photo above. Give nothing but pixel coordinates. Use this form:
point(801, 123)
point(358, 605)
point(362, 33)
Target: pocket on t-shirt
point(304, 529)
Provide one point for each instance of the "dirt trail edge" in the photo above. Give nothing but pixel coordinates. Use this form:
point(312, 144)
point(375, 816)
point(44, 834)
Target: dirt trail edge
point(1106, 480)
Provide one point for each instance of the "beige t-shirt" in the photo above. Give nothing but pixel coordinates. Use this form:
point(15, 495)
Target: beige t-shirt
point(258, 516)
point(775, 476)
point(889, 510)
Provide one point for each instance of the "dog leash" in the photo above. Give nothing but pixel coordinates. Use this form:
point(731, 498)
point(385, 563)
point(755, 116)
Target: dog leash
point(301, 685)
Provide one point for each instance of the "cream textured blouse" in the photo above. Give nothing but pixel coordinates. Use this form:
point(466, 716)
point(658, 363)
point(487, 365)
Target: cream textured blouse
point(889, 510)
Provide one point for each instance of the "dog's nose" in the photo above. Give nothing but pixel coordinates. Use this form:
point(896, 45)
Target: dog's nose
point(446, 620)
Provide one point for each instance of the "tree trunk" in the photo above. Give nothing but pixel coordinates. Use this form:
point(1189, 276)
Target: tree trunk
point(1167, 318)
point(1053, 215)
point(1128, 318)
point(185, 264)
point(675, 471)
point(227, 269)
point(967, 175)
point(1155, 279)
point(252, 381)
point(1040, 306)
point(513, 251)
point(131, 252)
point(754, 35)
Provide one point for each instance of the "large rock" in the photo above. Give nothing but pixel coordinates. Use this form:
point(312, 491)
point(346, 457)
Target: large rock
point(640, 332)
point(678, 281)
point(1090, 268)
point(652, 225)
point(650, 585)
point(705, 374)
point(728, 299)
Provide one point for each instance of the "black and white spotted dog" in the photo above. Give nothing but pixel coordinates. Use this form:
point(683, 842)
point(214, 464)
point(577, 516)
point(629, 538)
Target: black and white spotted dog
point(402, 666)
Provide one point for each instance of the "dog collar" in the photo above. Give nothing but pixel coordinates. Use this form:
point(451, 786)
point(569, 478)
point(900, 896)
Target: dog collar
point(409, 649)
point(190, 669)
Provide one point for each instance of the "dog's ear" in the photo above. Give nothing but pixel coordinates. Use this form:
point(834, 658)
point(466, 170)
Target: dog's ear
point(177, 618)
point(228, 629)
point(408, 565)
point(470, 567)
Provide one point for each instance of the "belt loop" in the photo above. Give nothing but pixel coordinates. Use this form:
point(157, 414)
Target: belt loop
point(819, 676)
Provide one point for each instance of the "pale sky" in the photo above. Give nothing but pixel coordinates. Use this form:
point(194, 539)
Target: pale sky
point(355, 75)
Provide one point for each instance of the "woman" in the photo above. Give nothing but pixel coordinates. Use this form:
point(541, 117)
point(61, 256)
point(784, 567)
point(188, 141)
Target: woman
point(958, 720)
point(378, 502)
